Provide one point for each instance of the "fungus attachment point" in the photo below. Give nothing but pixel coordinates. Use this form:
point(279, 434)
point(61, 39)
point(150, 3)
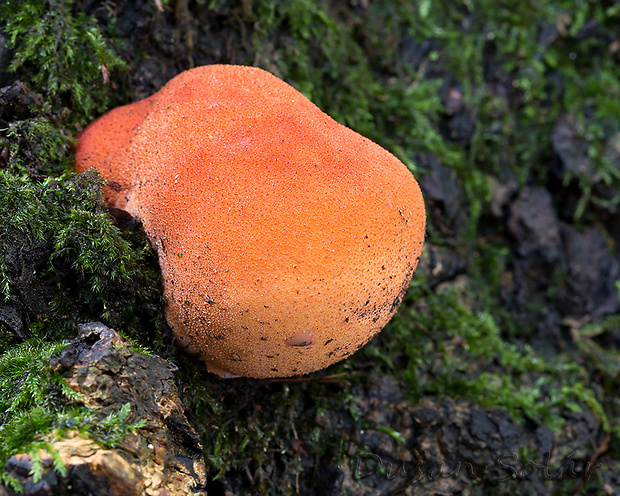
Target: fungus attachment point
point(276, 228)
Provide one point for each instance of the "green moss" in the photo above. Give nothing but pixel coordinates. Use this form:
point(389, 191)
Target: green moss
point(592, 341)
point(64, 51)
point(266, 429)
point(549, 73)
point(454, 351)
point(57, 239)
point(23, 372)
point(64, 229)
point(35, 143)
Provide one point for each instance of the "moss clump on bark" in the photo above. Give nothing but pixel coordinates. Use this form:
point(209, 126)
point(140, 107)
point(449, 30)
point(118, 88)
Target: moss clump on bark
point(64, 52)
point(63, 260)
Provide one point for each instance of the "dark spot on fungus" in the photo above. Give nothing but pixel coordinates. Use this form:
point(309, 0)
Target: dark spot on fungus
point(115, 186)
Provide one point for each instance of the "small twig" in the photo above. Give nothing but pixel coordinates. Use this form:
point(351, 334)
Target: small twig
point(601, 449)
point(333, 378)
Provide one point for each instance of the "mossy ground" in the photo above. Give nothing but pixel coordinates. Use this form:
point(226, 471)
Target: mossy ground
point(469, 94)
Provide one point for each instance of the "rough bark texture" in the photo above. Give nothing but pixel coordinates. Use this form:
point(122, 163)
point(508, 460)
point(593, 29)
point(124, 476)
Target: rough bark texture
point(163, 458)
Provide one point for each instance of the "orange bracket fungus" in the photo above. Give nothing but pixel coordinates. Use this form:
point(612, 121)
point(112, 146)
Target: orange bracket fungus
point(286, 240)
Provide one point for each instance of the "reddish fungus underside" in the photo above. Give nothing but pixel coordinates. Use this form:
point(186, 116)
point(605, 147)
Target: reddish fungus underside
point(286, 240)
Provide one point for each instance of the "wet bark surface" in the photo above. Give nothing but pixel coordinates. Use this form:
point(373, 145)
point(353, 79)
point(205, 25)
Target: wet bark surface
point(161, 458)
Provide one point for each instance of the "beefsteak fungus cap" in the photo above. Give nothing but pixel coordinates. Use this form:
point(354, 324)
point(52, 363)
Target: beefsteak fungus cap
point(286, 240)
